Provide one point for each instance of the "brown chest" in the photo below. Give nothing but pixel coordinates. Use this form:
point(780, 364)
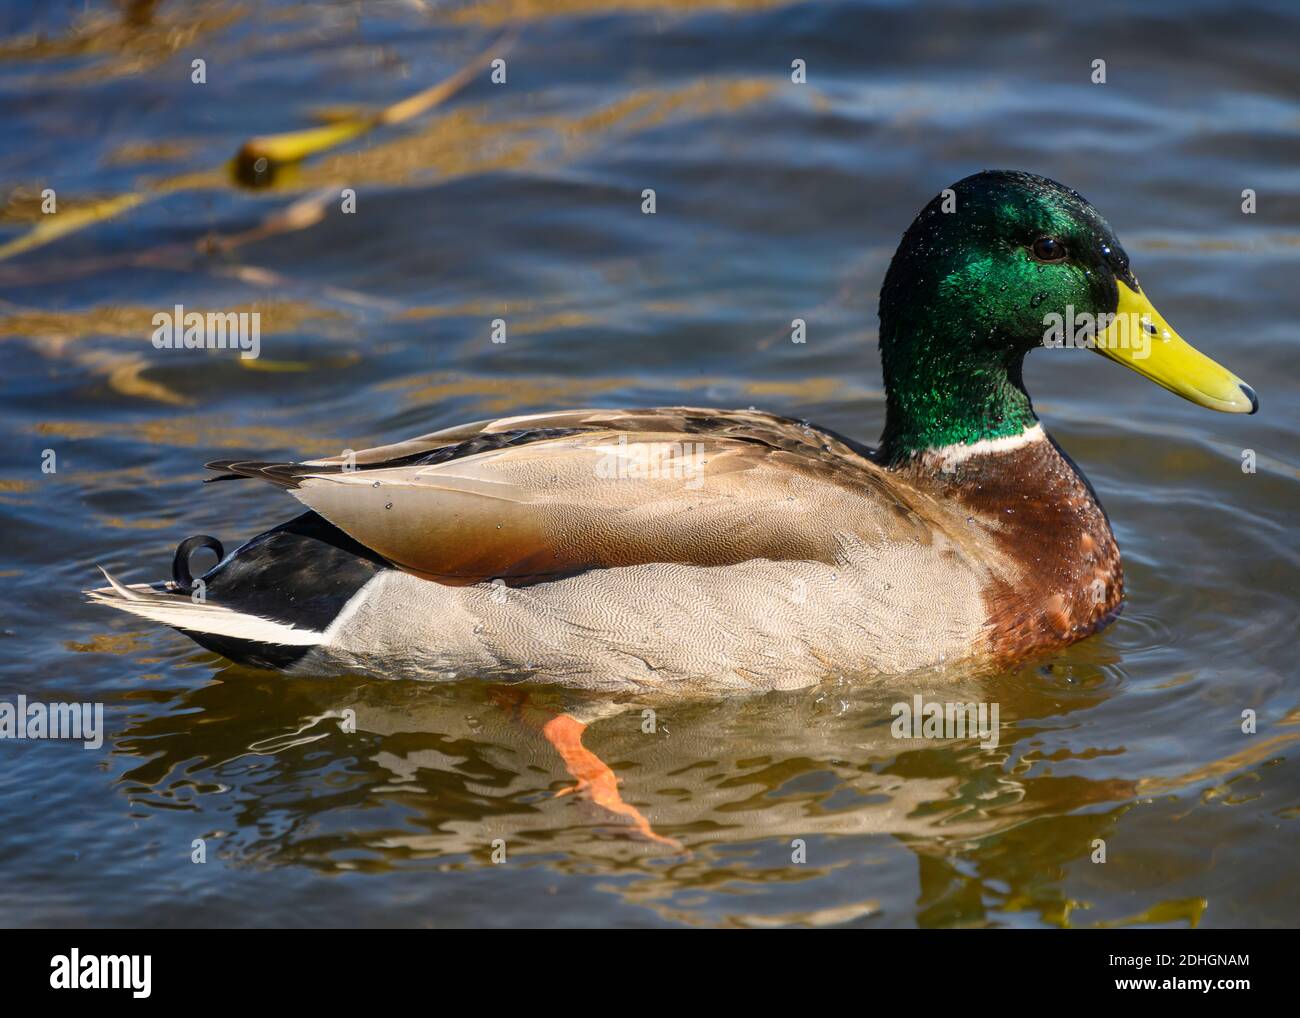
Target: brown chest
point(1061, 578)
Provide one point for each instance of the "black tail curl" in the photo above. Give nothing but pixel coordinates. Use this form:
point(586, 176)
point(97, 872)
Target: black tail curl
point(181, 575)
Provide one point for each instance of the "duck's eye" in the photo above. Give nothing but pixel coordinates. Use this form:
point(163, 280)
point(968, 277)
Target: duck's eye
point(1048, 249)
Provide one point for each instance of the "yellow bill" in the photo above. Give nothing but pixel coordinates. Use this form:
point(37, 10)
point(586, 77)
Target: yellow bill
point(1141, 339)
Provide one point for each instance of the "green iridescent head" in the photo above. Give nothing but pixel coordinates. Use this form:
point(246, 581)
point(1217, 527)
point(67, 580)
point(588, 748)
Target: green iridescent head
point(975, 284)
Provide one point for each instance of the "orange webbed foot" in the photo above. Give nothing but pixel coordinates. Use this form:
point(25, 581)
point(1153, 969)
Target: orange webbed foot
point(593, 775)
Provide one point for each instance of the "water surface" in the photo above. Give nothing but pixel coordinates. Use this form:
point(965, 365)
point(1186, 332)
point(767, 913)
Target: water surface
point(523, 201)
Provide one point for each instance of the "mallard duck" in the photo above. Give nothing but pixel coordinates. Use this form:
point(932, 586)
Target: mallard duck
point(683, 549)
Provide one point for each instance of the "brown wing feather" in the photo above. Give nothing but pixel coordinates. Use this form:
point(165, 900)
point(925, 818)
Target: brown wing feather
point(479, 436)
point(547, 495)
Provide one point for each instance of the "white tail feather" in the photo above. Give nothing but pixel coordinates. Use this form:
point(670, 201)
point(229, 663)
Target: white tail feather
point(174, 608)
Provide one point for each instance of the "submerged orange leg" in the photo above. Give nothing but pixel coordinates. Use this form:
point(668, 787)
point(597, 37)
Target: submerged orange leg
point(593, 774)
